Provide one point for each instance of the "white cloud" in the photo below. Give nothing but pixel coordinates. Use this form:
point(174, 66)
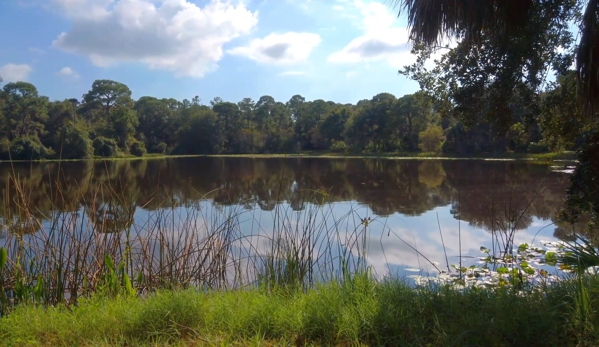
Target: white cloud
point(292, 73)
point(380, 40)
point(15, 72)
point(68, 72)
point(287, 48)
point(171, 35)
point(350, 74)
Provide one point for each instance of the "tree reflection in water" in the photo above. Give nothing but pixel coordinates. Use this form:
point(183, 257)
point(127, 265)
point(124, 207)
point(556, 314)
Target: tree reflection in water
point(110, 192)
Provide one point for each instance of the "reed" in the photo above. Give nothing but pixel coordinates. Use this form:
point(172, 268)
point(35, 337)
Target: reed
point(107, 244)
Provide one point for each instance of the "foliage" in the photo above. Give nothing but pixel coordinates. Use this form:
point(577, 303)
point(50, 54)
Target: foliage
point(561, 115)
point(4, 149)
point(105, 147)
point(361, 312)
point(72, 142)
point(385, 123)
point(582, 194)
point(431, 139)
point(137, 148)
point(28, 148)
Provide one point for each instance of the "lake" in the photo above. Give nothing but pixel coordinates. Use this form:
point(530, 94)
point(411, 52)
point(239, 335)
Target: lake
point(393, 215)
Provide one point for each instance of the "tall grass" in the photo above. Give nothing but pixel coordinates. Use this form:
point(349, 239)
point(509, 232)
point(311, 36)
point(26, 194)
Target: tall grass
point(78, 251)
point(367, 313)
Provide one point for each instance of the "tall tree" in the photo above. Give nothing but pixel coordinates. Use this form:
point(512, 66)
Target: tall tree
point(156, 122)
point(104, 96)
point(229, 123)
point(24, 110)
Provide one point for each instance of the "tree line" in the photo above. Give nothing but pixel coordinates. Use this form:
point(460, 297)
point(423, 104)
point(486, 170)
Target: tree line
point(108, 122)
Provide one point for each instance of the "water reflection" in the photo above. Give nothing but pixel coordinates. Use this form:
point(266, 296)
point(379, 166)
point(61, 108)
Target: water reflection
point(477, 191)
point(436, 207)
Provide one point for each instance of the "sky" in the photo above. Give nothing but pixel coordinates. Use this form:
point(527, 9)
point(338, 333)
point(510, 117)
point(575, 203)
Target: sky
point(338, 50)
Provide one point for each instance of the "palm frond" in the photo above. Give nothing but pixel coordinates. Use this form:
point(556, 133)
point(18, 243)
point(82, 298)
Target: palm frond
point(431, 21)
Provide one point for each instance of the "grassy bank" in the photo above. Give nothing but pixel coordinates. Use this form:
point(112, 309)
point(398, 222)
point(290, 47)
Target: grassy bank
point(359, 311)
point(544, 157)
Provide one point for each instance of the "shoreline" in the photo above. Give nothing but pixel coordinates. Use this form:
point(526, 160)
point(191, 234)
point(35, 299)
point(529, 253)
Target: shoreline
point(544, 157)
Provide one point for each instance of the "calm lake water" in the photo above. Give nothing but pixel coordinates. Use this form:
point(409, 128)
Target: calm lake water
point(435, 206)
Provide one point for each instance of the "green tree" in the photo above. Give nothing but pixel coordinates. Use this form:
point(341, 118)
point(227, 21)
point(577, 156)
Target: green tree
point(246, 106)
point(122, 123)
point(366, 129)
point(230, 125)
point(108, 94)
point(24, 110)
point(197, 135)
point(431, 139)
point(72, 142)
point(156, 122)
point(561, 118)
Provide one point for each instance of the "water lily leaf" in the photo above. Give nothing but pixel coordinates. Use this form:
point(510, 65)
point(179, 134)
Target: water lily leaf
point(503, 270)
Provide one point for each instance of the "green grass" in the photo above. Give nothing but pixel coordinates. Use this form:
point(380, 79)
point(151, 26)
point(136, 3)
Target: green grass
point(358, 312)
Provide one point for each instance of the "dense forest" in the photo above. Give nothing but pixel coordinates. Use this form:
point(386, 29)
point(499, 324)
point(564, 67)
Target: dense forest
point(107, 122)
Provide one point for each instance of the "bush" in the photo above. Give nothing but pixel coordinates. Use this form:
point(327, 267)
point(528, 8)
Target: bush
point(338, 146)
point(431, 139)
point(105, 147)
point(4, 149)
point(159, 148)
point(28, 148)
point(73, 143)
point(137, 148)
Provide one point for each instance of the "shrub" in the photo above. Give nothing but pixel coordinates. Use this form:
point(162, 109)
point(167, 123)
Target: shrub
point(159, 148)
point(4, 149)
point(73, 142)
point(105, 147)
point(137, 148)
point(431, 139)
point(28, 148)
point(338, 146)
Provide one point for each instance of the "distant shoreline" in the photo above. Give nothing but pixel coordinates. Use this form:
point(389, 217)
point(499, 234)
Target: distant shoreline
point(543, 157)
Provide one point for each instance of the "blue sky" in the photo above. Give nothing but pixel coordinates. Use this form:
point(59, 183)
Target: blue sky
point(339, 50)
